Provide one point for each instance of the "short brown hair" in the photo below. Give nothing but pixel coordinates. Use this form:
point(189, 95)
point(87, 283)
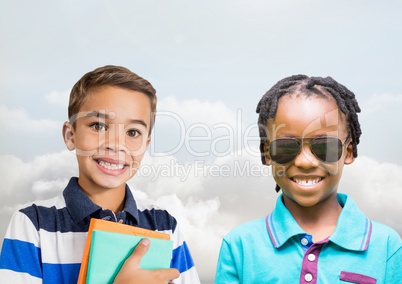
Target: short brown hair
point(110, 75)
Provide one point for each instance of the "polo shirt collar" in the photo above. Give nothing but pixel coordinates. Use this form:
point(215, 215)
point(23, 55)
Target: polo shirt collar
point(352, 232)
point(130, 205)
point(80, 206)
point(281, 225)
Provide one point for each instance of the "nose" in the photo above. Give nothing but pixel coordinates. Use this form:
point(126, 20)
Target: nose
point(306, 159)
point(115, 139)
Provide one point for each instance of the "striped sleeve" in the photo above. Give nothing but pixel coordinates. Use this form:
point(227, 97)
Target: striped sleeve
point(42, 245)
point(182, 260)
point(20, 259)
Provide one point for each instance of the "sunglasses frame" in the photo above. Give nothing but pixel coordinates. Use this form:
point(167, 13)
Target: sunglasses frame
point(300, 142)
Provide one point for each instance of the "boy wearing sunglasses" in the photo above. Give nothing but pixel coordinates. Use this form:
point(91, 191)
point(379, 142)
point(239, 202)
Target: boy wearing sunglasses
point(309, 130)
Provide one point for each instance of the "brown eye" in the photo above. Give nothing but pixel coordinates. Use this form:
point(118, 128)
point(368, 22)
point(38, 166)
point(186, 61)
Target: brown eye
point(133, 133)
point(99, 126)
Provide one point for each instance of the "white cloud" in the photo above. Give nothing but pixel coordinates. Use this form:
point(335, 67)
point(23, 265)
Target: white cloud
point(44, 188)
point(376, 187)
point(27, 180)
point(19, 120)
point(199, 130)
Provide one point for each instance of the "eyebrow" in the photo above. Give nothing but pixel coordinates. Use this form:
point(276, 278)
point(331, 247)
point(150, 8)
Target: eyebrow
point(97, 114)
point(107, 116)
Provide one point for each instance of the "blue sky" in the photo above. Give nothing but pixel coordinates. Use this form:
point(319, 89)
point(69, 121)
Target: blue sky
point(210, 62)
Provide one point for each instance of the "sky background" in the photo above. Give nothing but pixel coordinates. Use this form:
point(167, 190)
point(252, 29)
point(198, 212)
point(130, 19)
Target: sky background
point(210, 61)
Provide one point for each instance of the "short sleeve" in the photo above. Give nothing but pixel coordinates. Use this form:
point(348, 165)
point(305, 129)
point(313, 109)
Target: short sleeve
point(20, 259)
point(226, 272)
point(182, 260)
point(394, 271)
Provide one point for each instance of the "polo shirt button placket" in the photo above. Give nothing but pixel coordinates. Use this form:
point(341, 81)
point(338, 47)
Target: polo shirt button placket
point(308, 277)
point(309, 273)
point(311, 257)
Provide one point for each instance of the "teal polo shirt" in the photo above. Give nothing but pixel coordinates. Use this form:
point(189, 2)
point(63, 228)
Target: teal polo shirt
point(275, 249)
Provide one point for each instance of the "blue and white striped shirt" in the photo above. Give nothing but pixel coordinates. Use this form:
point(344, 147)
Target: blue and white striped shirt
point(45, 240)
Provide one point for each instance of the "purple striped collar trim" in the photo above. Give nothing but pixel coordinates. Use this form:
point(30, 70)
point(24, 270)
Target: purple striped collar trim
point(271, 230)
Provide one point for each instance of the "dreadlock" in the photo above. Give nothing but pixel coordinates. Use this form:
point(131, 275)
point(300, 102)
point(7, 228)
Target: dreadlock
point(345, 99)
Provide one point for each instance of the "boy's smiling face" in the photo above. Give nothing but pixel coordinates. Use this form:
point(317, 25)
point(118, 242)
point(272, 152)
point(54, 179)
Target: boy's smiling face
point(110, 137)
point(306, 181)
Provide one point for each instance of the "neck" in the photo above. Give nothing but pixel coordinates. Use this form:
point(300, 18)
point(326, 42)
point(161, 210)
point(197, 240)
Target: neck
point(319, 220)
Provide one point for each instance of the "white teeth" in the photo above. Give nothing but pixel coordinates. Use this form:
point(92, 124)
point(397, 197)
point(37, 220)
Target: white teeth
point(310, 182)
point(110, 166)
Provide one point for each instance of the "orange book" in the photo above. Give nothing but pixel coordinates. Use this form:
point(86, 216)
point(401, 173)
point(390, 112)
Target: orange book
point(108, 226)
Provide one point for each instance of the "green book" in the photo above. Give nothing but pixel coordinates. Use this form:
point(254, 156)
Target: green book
point(109, 250)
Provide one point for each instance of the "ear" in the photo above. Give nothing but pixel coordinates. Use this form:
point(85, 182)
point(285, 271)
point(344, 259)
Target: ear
point(349, 158)
point(265, 152)
point(68, 136)
point(148, 141)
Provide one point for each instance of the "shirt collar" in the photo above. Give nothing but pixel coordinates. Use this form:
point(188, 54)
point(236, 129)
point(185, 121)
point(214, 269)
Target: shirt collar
point(80, 206)
point(281, 225)
point(130, 205)
point(352, 232)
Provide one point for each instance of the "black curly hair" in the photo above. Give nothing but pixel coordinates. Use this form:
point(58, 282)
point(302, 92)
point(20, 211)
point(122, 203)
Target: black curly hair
point(304, 85)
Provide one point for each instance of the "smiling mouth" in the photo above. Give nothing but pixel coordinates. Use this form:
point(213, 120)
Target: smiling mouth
point(307, 182)
point(110, 166)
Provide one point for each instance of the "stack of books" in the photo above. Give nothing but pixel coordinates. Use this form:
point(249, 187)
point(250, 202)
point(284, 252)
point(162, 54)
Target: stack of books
point(109, 244)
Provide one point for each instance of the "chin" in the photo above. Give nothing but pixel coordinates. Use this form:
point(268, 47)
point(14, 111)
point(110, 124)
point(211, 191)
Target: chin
point(303, 201)
point(111, 183)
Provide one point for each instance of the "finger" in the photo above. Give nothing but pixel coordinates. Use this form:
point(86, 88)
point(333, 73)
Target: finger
point(139, 251)
point(173, 273)
point(166, 274)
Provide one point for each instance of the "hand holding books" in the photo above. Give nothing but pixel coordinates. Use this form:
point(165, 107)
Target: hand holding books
point(118, 253)
point(131, 272)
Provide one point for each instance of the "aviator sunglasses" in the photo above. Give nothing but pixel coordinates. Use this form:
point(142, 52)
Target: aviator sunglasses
point(327, 149)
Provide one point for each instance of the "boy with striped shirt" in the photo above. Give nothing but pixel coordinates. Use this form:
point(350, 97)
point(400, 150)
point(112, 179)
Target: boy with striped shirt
point(111, 115)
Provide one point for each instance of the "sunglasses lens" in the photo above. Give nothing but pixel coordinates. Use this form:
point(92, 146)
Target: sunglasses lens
point(327, 149)
point(282, 151)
